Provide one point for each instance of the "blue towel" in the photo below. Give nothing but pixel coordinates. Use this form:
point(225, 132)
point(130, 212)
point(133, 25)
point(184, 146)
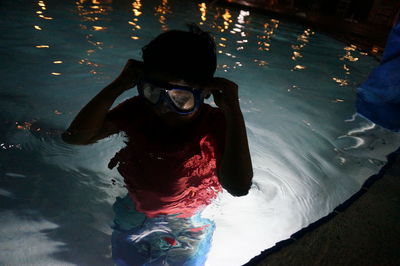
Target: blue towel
point(378, 98)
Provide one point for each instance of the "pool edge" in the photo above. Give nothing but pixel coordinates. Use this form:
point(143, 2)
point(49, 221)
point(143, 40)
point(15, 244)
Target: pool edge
point(326, 221)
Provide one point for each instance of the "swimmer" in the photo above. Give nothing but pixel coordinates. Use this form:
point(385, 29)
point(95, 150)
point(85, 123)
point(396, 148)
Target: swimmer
point(169, 116)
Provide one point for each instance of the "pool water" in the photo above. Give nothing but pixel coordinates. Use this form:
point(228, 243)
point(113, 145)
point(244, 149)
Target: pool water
point(310, 150)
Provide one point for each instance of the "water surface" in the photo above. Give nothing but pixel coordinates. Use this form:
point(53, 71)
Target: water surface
point(310, 150)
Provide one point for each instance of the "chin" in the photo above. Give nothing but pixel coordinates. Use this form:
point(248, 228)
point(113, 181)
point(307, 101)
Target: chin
point(175, 119)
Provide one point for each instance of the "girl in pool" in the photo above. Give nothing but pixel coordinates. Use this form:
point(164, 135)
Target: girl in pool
point(180, 152)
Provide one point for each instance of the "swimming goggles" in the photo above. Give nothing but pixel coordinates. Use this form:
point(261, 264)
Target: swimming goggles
point(182, 99)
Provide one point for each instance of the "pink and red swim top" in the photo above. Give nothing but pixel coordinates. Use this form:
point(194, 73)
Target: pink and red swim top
point(168, 173)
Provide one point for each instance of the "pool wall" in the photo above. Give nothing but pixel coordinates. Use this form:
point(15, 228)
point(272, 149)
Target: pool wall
point(364, 230)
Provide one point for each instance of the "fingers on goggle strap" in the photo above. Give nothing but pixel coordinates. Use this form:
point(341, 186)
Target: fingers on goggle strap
point(182, 99)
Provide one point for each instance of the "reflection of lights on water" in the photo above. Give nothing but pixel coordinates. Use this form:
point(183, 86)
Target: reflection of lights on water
point(269, 27)
point(296, 55)
point(242, 15)
point(42, 46)
point(136, 6)
point(227, 20)
point(352, 47)
point(57, 62)
point(5, 146)
point(349, 57)
point(276, 22)
point(57, 112)
point(44, 17)
point(203, 12)
point(294, 87)
point(87, 62)
point(161, 11)
point(55, 73)
point(237, 64)
point(99, 28)
point(24, 125)
point(347, 66)
point(261, 62)
point(299, 67)
point(238, 28)
point(303, 38)
point(37, 27)
point(338, 101)
point(341, 82)
point(230, 55)
point(297, 47)
point(42, 5)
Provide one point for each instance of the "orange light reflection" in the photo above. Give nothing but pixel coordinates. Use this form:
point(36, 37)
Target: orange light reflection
point(203, 12)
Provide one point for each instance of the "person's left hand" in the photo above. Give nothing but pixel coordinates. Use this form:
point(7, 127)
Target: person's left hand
point(225, 93)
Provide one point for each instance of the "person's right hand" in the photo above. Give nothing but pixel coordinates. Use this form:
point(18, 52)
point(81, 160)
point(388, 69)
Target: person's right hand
point(132, 72)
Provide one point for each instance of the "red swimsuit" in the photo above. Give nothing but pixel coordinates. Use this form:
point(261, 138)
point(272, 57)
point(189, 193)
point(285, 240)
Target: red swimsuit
point(168, 173)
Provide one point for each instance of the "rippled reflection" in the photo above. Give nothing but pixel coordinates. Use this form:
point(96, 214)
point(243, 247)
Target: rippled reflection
point(347, 58)
point(41, 14)
point(161, 12)
point(302, 40)
point(136, 7)
point(203, 13)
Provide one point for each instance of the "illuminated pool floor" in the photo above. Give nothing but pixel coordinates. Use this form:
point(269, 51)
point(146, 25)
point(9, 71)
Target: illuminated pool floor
point(310, 151)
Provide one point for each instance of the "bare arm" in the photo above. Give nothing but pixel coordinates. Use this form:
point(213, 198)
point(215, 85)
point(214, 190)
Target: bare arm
point(91, 124)
point(235, 171)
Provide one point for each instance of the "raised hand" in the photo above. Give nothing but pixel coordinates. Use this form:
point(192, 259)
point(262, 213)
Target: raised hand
point(132, 72)
point(225, 93)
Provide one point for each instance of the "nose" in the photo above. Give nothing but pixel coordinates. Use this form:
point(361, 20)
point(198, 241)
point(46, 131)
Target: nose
point(164, 106)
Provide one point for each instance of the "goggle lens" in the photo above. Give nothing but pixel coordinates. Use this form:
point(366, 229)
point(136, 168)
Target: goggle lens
point(182, 99)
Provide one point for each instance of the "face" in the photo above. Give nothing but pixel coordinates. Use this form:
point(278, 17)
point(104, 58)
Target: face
point(164, 109)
